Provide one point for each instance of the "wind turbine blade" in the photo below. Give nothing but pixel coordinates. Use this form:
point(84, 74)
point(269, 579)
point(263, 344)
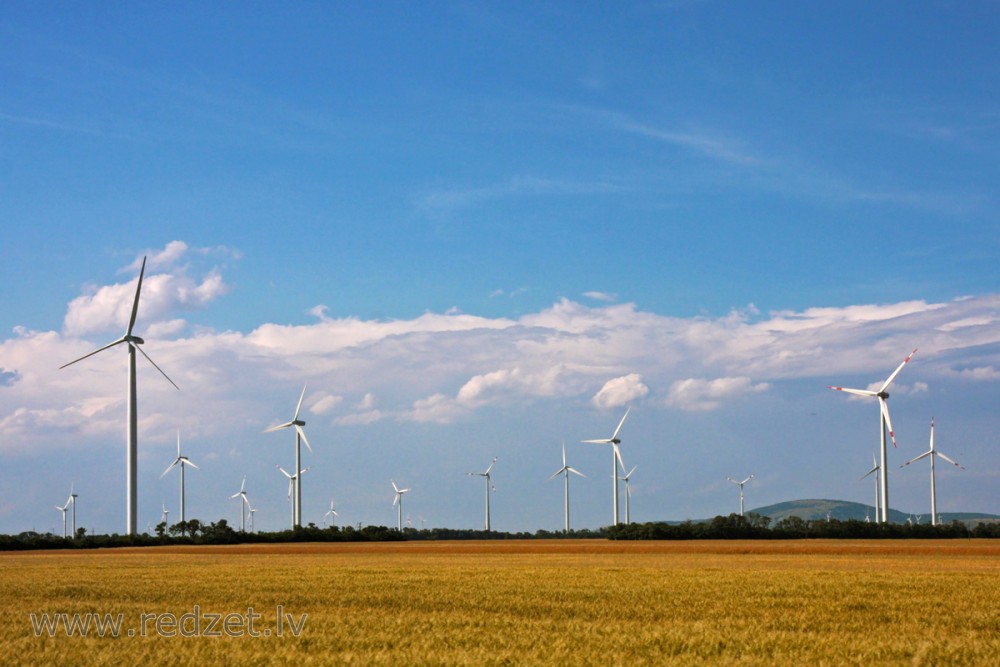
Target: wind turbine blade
point(396, 499)
point(169, 468)
point(150, 360)
point(283, 472)
point(178, 443)
point(622, 422)
point(291, 483)
point(892, 377)
point(278, 427)
point(597, 442)
point(564, 453)
point(925, 454)
point(189, 462)
point(299, 406)
point(556, 474)
point(873, 470)
point(100, 349)
point(888, 422)
point(747, 479)
point(491, 466)
point(243, 485)
point(247, 503)
point(302, 434)
point(396, 488)
point(949, 460)
point(575, 471)
point(858, 392)
point(618, 455)
point(630, 472)
point(135, 302)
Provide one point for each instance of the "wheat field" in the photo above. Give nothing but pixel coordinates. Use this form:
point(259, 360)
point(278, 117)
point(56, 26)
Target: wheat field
point(518, 602)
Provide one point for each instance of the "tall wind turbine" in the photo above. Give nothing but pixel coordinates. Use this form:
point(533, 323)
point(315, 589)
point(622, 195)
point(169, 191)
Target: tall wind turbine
point(616, 459)
point(166, 514)
point(332, 514)
point(244, 503)
point(933, 453)
point(740, 484)
point(293, 482)
point(566, 470)
point(875, 469)
point(628, 495)
point(131, 451)
point(885, 423)
point(72, 498)
point(300, 437)
point(398, 501)
point(64, 509)
point(486, 477)
point(182, 461)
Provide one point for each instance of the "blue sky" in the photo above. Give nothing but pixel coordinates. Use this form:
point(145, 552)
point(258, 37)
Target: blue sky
point(478, 229)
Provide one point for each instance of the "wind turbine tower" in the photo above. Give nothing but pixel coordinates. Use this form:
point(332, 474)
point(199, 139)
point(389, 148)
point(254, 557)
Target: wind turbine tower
point(884, 424)
point(933, 453)
point(740, 484)
point(182, 461)
point(300, 437)
point(293, 482)
point(616, 459)
point(628, 495)
point(486, 478)
point(131, 450)
point(875, 469)
point(398, 502)
point(566, 470)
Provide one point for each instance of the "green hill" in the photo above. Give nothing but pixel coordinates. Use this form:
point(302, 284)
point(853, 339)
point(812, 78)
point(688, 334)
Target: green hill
point(843, 510)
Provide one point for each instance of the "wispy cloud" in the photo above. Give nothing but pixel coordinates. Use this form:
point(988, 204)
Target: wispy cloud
point(516, 187)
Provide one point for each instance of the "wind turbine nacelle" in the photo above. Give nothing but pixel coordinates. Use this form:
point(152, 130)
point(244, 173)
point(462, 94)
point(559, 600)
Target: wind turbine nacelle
point(883, 395)
point(137, 340)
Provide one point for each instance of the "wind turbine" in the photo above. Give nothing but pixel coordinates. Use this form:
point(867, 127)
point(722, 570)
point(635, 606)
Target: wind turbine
point(565, 470)
point(398, 500)
point(166, 513)
point(182, 461)
point(64, 509)
point(72, 499)
point(293, 482)
point(250, 511)
point(616, 459)
point(242, 494)
point(486, 477)
point(740, 484)
point(332, 514)
point(131, 451)
point(875, 468)
point(628, 494)
point(886, 423)
point(300, 437)
point(933, 453)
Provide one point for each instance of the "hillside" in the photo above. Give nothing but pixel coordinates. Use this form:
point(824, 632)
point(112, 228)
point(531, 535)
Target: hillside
point(843, 510)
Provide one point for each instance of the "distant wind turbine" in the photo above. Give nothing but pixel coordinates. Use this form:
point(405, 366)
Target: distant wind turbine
point(486, 478)
point(933, 453)
point(166, 514)
point(182, 461)
point(740, 484)
point(131, 451)
point(398, 501)
point(628, 495)
point(251, 511)
point(72, 501)
point(332, 514)
point(616, 459)
point(293, 482)
point(244, 503)
point(875, 469)
point(565, 471)
point(64, 509)
point(300, 437)
point(885, 423)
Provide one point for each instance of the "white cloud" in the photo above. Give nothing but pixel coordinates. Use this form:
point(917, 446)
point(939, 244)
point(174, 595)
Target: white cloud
point(694, 394)
point(601, 296)
point(322, 403)
point(620, 391)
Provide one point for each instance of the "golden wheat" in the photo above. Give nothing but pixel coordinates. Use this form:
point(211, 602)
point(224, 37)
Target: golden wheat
point(530, 602)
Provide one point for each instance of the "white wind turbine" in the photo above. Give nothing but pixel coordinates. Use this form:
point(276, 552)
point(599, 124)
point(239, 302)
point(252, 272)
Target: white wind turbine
point(332, 514)
point(72, 500)
point(566, 470)
point(166, 514)
point(616, 459)
point(628, 494)
point(875, 469)
point(740, 484)
point(486, 477)
point(182, 461)
point(293, 482)
point(933, 453)
point(251, 511)
point(131, 452)
point(398, 501)
point(885, 423)
point(300, 437)
point(244, 503)
point(64, 509)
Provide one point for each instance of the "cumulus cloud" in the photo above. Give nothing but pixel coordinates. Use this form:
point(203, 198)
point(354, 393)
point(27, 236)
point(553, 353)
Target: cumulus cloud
point(695, 394)
point(620, 391)
point(322, 403)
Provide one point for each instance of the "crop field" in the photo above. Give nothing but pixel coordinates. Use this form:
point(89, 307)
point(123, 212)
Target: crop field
point(512, 602)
